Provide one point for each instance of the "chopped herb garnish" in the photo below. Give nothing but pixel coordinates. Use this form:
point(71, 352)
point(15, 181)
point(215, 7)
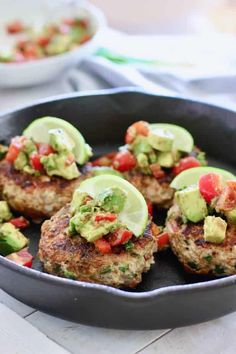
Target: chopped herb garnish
point(208, 258)
point(129, 245)
point(193, 265)
point(219, 269)
point(69, 274)
point(105, 270)
point(202, 158)
point(123, 267)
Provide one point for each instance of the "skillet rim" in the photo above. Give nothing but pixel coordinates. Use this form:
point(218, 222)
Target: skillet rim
point(48, 278)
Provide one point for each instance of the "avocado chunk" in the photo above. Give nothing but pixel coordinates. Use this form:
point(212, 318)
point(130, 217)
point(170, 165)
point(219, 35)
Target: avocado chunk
point(11, 239)
point(56, 165)
point(21, 161)
point(141, 145)
point(165, 159)
point(60, 141)
point(142, 160)
point(112, 200)
point(161, 140)
point(192, 204)
point(77, 200)
point(231, 216)
point(5, 213)
point(214, 229)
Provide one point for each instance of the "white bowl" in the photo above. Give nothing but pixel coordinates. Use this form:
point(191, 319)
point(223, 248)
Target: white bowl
point(36, 13)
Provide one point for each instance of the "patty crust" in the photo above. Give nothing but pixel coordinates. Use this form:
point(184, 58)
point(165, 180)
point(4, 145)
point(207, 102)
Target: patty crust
point(75, 258)
point(197, 255)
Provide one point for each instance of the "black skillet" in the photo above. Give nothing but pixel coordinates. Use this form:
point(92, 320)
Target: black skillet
point(167, 296)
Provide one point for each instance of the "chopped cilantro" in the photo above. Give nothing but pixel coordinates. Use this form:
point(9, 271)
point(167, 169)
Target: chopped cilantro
point(129, 245)
point(105, 270)
point(219, 269)
point(193, 265)
point(123, 267)
point(208, 258)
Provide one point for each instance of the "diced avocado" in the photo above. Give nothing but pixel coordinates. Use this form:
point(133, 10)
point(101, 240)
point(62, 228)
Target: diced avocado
point(60, 44)
point(192, 204)
point(165, 159)
point(60, 141)
point(77, 200)
point(214, 229)
point(231, 216)
point(112, 199)
point(55, 165)
point(21, 161)
point(161, 140)
point(141, 145)
point(5, 213)
point(11, 239)
point(3, 151)
point(29, 147)
point(142, 160)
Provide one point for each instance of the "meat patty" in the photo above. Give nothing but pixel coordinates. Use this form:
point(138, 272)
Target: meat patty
point(197, 255)
point(75, 258)
point(35, 197)
point(157, 191)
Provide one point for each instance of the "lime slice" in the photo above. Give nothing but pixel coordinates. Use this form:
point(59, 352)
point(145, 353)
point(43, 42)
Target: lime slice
point(135, 212)
point(39, 128)
point(183, 140)
point(192, 175)
point(98, 171)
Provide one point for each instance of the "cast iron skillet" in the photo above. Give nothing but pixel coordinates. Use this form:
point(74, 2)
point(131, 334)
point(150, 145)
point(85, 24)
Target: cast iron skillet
point(167, 296)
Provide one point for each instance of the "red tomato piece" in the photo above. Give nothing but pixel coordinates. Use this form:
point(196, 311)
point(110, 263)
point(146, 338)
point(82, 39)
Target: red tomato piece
point(139, 128)
point(150, 207)
point(185, 164)
point(120, 237)
point(227, 199)
point(162, 240)
point(23, 257)
point(105, 160)
point(69, 21)
point(210, 186)
point(15, 27)
point(31, 51)
point(20, 223)
point(103, 245)
point(15, 147)
point(105, 217)
point(43, 41)
point(124, 161)
point(36, 163)
point(157, 171)
point(44, 149)
point(85, 38)
point(84, 22)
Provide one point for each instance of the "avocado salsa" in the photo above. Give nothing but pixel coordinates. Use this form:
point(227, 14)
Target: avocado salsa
point(35, 158)
point(152, 152)
point(97, 219)
point(213, 202)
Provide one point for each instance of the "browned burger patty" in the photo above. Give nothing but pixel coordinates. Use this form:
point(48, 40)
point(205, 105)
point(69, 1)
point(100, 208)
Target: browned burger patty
point(158, 192)
point(35, 197)
point(74, 257)
point(197, 255)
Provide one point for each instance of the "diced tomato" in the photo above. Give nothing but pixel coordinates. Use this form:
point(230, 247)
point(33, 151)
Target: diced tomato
point(69, 21)
point(103, 245)
point(23, 257)
point(162, 240)
point(210, 186)
point(124, 161)
point(138, 128)
point(84, 22)
point(119, 237)
point(150, 207)
point(15, 147)
point(105, 160)
point(232, 184)
point(105, 217)
point(157, 171)
point(36, 163)
point(44, 149)
point(15, 27)
point(185, 164)
point(31, 51)
point(227, 199)
point(85, 38)
point(43, 41)
point(20, 223)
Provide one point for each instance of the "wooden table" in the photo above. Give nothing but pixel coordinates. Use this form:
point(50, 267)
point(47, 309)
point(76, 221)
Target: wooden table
point(23, 330)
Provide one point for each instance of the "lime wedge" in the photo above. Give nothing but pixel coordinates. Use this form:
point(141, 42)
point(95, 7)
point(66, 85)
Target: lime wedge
point(104, 170)
point(191, 176)
point(135, 213)
point(39, 128)
point(183, 140)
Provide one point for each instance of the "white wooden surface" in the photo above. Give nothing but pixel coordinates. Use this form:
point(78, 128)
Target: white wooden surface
point(24, 330)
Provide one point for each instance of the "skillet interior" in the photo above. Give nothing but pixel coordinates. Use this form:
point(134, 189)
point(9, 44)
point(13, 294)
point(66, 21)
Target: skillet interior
point(103, 120)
